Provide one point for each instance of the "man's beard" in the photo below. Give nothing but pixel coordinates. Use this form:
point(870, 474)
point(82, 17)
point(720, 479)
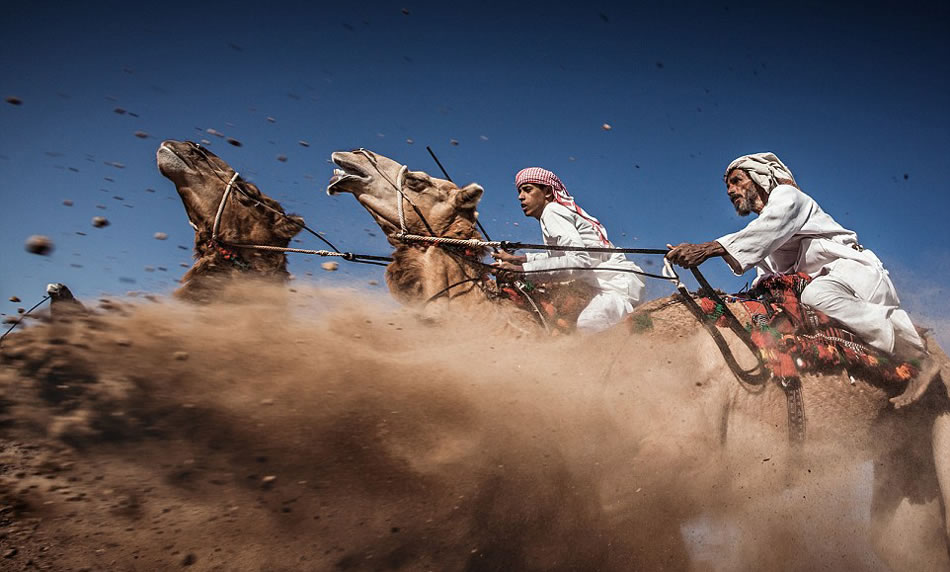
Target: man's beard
point(743, 206)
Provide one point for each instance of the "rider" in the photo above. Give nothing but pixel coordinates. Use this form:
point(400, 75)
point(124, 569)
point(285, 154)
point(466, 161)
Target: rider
point(564, 223)
point(792, 234)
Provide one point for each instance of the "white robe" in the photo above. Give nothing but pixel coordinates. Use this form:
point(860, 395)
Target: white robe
point(618, 292)
point(849, 283)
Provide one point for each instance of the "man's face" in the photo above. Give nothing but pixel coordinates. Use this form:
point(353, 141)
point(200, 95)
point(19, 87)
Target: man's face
point(533, 198)
point(743, 192)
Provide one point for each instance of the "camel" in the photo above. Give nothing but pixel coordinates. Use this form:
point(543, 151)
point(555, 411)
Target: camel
point(839, 409)
point(247, 217)
point(449, 212)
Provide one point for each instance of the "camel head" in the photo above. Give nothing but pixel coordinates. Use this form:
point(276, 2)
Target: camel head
point(449, 211)
point(248, 217)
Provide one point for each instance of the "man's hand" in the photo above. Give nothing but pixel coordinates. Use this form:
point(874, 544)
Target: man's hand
point(508, 266)
point(692, 255)
point(507, 270)
point(508, 257)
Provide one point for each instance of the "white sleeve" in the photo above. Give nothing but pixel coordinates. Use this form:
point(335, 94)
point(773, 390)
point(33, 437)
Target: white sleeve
point(532, 256)
point(560, 226)
point(785, 213)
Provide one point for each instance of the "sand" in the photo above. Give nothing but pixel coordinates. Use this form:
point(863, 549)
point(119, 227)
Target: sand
point(323, 430)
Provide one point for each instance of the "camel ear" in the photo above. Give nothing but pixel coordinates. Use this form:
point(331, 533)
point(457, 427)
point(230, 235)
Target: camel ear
point(468, 196)
point(286, 227)
point(250, 188)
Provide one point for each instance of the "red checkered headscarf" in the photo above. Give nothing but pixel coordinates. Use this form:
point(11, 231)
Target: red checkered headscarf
point(540, 176)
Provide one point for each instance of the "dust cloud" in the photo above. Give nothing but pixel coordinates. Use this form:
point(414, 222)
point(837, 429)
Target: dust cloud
point(319, 429)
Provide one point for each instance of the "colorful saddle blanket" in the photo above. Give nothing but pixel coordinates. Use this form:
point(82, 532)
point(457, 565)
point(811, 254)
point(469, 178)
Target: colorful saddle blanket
point(555, 304)
point(794, 339)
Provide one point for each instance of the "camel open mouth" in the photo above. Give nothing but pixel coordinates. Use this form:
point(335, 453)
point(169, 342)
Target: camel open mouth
point(170, 162)
point(347, 171)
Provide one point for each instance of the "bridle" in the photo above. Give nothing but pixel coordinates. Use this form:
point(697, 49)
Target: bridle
point(221, 246)
point(397, 185)
point(466, 257)
point(230, 183)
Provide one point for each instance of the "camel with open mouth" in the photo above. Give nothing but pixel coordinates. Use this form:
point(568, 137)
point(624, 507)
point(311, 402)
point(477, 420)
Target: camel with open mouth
point(910, 447)
point(429, 206)
point(245, 217)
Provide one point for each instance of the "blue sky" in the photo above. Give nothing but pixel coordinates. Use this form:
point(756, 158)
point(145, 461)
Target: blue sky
point(852, 97)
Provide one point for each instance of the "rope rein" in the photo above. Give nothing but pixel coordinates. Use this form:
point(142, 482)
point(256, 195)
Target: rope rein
point(509, 245)
point(348, 256)
point(474, 243)
point(20, 319)
point(405, 236)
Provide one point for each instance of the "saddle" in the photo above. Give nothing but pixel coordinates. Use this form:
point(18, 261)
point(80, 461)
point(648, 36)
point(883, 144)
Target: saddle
point(794, 339)
point(556, 304)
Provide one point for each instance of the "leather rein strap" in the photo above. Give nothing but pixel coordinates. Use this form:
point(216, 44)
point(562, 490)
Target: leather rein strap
point(758, 375)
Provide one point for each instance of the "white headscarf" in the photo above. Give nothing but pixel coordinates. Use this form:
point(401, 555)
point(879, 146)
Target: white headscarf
point(763, 168)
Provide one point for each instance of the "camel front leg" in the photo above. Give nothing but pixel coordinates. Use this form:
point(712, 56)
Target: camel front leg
point(906, 535)
point(941, 447)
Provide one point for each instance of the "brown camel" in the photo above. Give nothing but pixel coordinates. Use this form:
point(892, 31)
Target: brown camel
point(449, 212)
point(248, 217)
point(911, 447)
point(420, 273)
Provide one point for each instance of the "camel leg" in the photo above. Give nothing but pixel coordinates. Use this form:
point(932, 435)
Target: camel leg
point(906, 535)
point(941, 448)
point(941, 437)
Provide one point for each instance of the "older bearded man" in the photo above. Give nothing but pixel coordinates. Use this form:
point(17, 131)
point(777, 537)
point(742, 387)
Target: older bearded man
point(564, 223)
point(792, 234)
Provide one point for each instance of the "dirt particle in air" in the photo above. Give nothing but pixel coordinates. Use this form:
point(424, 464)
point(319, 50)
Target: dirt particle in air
point(39, 244)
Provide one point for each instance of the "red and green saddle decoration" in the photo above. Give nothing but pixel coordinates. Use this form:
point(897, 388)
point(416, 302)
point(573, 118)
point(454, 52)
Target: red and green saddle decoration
point(793, 339)
point(555, 304)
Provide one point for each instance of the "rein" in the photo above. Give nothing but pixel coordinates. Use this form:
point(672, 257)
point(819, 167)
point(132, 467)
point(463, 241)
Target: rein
point(758, 375)
point(236, 258)
point(21, 318)
point(401, 197)
point(755, 376)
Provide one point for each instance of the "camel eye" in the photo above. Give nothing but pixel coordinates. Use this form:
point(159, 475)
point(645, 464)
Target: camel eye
point(417, 183)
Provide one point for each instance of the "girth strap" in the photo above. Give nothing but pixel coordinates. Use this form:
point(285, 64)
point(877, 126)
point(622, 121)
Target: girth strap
point(792, 386)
